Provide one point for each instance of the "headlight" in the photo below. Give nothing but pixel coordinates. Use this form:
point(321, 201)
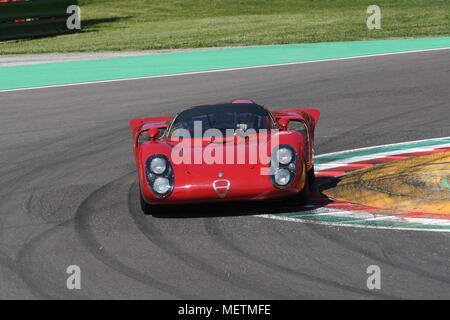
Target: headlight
point(161, 185)
point(282, 177)
point(160, 175)
point(283, 166)
point(284, 155)
point(158, 165)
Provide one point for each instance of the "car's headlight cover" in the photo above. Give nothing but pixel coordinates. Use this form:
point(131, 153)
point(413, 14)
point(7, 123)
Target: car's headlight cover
point(282, 177)
point(160, 175)
point(283, 166)
point(158, 165)
point(161, 185)
point(284, 155)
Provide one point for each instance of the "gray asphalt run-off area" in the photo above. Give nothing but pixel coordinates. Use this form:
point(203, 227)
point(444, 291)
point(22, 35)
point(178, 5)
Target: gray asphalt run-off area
point(69, 191)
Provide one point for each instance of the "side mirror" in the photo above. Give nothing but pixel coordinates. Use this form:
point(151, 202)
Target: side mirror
point(283, 123)
point(153, 133)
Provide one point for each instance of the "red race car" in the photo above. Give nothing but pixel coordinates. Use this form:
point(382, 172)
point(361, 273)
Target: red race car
point(238, 151)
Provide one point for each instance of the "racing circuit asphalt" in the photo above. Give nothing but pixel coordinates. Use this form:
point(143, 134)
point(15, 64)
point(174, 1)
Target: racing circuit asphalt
point(69, 194)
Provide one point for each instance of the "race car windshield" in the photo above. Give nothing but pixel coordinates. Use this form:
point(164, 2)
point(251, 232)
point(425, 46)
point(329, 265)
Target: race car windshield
point(226, 118)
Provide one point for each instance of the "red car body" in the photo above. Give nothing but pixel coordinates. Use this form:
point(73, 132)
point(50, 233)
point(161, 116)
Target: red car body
point(217, 182)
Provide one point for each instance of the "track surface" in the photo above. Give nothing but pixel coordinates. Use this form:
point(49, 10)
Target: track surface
point(69, 195)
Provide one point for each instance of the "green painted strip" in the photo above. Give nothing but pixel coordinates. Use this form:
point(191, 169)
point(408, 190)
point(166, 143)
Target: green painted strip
point(196, 61)
point(386, 223)
point(363, 222)
point(332, 219)
point(361, 153)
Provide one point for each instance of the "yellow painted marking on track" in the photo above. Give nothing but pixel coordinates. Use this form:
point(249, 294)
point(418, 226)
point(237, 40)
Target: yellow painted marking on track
point(414, 184)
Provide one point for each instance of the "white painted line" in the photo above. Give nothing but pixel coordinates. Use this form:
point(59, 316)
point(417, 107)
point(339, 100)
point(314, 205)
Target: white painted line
point(339, 163)
point(222, 70)
point(360, 216)
point(366, 216)
point(381, 146)
point(336, 224)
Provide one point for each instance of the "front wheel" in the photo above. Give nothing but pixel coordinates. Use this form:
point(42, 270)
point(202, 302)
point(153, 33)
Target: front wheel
point(149, 209)
point(146, 208)
point(311, 176)
point(303, 197)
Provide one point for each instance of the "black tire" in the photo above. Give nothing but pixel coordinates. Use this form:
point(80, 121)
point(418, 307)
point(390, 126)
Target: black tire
point(149, 209)
point(311, 176)
point(146, 208)
point(303, 197)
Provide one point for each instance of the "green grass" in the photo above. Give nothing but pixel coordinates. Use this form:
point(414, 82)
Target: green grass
point(110, 25)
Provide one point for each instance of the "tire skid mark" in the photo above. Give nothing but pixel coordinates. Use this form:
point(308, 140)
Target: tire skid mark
point(22, 265)
point(27, 172)
point(363, 127)
point(293, 243)
point(48, 142)
point(155, 236)
point(103, 141)
point(227, 243)
point(36, 282)
point(347, 244)
point(31, 148)
point(8, 263)
point(29, 225)
point(87, 237)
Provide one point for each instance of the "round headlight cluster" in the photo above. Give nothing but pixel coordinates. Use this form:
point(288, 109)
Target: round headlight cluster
point(284, 155)
point(282, 177)
point(161, 185)
point(284, 166)
point(158, 165)
point(160, 175)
